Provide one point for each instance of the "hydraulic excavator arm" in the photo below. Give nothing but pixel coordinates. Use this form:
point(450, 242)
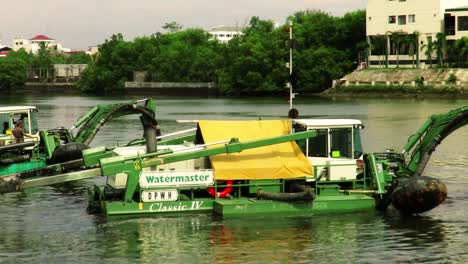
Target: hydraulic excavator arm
point(399, 181)
point(59, 157)
point(430, 135)
point(89, 124)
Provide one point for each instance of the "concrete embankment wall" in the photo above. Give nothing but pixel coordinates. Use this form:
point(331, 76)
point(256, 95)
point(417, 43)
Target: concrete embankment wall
point(434, 77)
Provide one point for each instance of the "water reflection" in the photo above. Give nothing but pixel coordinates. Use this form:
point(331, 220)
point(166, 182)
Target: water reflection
point(252, 240)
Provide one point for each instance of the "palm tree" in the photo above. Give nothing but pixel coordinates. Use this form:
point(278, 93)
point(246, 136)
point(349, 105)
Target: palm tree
point(398, 39)
point(381, 43)
point(412, 40)
point(387, 50)
point(377, 47)
point(440, 46)
point(429, 47)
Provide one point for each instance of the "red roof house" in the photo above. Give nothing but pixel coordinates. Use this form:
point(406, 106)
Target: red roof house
point(4, 53)
point(41, 37)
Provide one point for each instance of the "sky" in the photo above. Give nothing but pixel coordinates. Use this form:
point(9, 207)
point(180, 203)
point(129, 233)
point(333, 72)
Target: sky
point(78, 24)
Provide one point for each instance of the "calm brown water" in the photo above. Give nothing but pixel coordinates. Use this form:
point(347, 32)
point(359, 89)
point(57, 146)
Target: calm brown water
point(50, 224)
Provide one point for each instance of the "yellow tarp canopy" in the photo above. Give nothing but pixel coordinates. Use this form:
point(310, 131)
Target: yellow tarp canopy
point(277, 161)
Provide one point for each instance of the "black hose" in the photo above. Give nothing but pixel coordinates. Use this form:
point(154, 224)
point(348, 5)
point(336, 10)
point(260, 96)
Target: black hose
point(307, 194)
point(15, 159)
point(17, 146)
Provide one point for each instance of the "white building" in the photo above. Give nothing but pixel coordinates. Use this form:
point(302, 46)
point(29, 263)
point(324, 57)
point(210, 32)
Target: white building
point(225, 34)
point(34, 44)
point(427, 18)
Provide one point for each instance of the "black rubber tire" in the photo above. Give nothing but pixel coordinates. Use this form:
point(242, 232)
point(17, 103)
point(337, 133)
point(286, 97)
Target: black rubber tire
point(68, 152)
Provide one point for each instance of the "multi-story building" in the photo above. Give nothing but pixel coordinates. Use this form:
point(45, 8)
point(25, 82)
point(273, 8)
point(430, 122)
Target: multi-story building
point(34, 44)
point(400, 31)
point(225, 34)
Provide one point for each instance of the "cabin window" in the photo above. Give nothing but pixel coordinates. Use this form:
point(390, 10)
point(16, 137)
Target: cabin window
point(318, 146)
point(24, 118)
point(34, 126)
point(357, 143)
point(341, 142)
point(5, 123)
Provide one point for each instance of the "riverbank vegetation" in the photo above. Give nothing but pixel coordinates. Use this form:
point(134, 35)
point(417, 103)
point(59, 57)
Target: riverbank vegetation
point(15, 66)
point(253, 63)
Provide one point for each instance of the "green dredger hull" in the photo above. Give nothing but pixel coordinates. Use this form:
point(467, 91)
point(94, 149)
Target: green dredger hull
point(234, 207)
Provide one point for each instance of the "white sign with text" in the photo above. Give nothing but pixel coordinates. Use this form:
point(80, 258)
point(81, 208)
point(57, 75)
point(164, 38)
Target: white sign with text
point(152, 179)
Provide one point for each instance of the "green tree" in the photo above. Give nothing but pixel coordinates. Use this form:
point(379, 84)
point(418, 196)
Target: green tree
point(319, 67)
point(77, 58)
point(461, 51)
point(172, 27)
point(253, 63)
point(43, 58)
point(13, 69)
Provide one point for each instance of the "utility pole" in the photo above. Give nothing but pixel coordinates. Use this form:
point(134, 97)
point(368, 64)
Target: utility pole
point(292, 113)
point(291, 95)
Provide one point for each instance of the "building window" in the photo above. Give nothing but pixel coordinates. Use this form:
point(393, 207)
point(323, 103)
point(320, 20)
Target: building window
point(392, 19)
point(462, 23)
point(401, 20)
point(449, 24)
point(411, 18)
point(370, 18)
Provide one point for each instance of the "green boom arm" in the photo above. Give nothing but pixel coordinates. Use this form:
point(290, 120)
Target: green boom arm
point(91, 122)
point(431, 133)
point(111, 165)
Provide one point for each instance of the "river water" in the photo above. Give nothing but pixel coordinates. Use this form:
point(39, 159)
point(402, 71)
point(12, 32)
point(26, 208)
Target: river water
point(50, 224)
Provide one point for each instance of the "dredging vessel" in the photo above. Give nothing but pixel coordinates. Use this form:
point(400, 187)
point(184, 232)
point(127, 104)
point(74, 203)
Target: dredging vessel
point(239, 168)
